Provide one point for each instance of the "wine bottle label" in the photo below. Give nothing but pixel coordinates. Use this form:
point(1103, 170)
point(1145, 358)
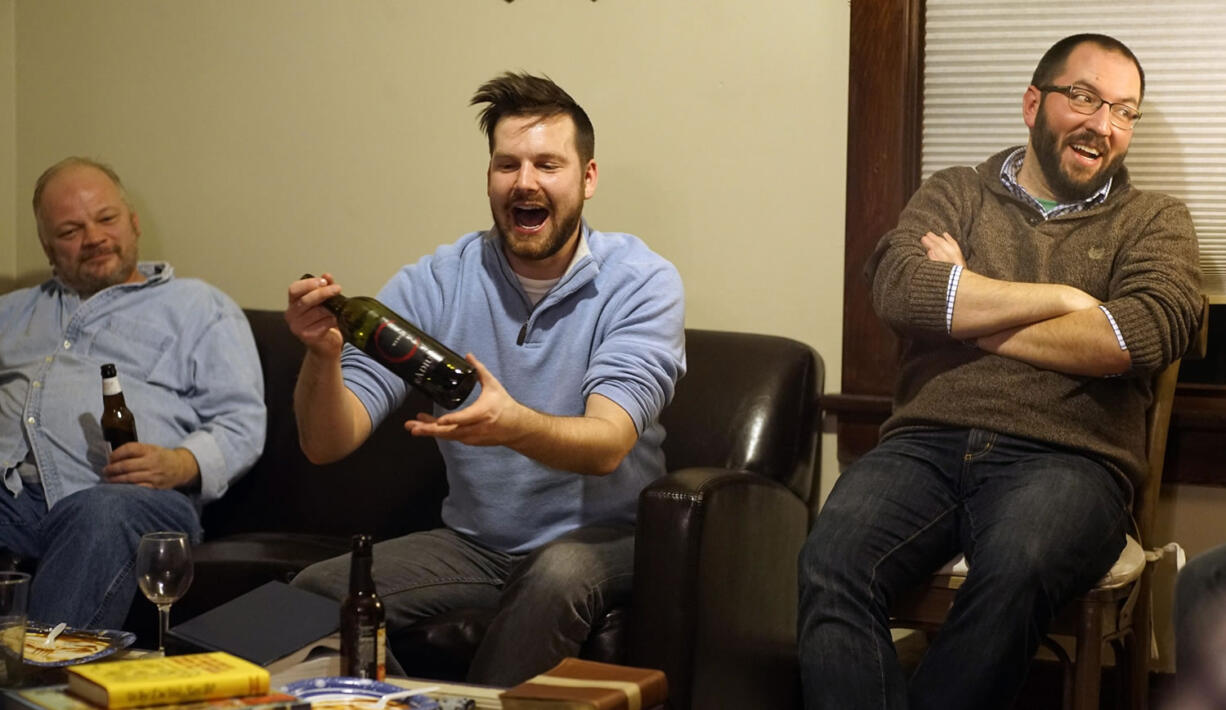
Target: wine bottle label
point(394, 343)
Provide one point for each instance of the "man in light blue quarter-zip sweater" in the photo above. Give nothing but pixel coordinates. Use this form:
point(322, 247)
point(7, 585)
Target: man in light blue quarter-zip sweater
point(577, 337)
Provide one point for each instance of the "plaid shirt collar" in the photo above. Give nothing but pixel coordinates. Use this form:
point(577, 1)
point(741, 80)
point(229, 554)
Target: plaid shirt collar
point(1008, 177)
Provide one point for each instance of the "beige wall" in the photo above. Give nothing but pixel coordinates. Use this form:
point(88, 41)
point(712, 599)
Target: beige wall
point(263, 139)
point(8, 144)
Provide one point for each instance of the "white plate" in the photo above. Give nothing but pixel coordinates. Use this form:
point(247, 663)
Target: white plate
point(343, 693)
point(73, 646)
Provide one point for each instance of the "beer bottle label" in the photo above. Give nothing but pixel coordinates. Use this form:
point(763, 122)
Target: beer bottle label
point(394, 343)
point(371, 645)
point(380, 651)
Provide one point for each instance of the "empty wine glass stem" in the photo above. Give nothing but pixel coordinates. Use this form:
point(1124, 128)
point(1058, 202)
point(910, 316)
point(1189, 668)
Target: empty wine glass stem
point(163, 624)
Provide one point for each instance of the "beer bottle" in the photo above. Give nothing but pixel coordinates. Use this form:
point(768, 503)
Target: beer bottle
point(118, 424)
point(403, 348)
point(363, 632)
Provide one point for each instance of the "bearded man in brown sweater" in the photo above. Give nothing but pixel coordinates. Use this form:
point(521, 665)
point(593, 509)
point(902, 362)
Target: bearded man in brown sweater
point(1036, 295)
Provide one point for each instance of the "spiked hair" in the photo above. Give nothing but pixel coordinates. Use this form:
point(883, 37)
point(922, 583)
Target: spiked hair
point(522, 94)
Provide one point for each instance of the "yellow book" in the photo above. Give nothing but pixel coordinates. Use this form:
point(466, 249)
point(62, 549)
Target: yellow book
point(166, 680)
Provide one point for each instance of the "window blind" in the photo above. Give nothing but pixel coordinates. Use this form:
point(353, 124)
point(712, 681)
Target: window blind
point(979, 56)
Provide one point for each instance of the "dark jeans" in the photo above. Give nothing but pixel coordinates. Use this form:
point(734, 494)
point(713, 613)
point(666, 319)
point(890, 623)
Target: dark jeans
point(86, 546)
point(1037, 525)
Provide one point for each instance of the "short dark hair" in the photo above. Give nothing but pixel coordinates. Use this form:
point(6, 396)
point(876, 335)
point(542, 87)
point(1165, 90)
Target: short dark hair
point(522, 94)
point(1053, 60)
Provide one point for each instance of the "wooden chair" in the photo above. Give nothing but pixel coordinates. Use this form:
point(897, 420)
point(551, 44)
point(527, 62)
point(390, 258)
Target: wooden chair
point(1118, 610)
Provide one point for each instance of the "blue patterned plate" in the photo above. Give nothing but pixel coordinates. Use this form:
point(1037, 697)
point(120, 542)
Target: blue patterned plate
point(73, 646)
point(343, 693)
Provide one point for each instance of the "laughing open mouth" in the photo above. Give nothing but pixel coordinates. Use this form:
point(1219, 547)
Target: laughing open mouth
point(1086, 151)
point(529, 218)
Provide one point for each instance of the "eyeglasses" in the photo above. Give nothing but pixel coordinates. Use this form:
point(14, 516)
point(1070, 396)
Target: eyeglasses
point(1085, 101)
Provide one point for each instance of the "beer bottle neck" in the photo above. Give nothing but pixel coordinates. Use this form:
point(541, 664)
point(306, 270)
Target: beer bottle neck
point(360, 579)
point(336, 304)
point(111, 388)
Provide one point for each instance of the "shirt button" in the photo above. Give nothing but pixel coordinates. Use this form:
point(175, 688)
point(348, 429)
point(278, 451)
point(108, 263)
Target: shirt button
point(49, 358)
point(30, 420)
point(36, 384)
point(67, 344)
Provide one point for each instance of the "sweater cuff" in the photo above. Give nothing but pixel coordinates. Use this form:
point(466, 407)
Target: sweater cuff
point(1144, 337)
point(931, 296)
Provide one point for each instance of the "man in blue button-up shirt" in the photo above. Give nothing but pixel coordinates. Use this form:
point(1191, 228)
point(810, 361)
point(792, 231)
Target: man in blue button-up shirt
point(190, 374)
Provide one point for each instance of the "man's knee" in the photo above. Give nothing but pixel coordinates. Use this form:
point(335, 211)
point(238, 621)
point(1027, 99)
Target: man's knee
point(576, 573)
point(121, 507)
point(327, 578)
point(838, 542)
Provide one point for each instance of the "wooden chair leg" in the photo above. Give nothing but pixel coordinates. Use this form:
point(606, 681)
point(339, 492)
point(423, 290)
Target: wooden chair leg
point(1139, 647)
point(1087, 665)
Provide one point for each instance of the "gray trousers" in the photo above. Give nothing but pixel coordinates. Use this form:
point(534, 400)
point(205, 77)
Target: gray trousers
point(546, 600)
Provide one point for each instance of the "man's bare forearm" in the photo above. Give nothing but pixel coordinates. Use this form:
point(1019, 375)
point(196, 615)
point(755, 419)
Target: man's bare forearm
point(594, 444)
point(984, 306)
point(331, 420)
point(1078, 343)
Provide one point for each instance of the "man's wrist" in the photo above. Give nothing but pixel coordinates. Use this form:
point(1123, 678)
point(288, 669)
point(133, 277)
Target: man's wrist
point(187, 470)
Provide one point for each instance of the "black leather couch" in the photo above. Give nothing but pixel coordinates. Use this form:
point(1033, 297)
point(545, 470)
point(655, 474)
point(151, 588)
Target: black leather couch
point(714, 601)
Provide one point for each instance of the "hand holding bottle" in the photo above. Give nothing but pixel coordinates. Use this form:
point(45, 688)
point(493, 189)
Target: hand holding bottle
point(309, 320)
point(384, 335)
point(151, 466)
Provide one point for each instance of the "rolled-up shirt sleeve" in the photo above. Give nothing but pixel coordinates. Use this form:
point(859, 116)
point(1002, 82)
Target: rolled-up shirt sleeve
point(228, 397)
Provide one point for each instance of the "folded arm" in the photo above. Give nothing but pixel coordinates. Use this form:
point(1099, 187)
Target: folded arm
point(1053, 326)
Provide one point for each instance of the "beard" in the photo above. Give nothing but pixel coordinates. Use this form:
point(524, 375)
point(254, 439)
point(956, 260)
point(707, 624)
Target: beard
point(1048, 148)
point(547, 243)
point(87, 280)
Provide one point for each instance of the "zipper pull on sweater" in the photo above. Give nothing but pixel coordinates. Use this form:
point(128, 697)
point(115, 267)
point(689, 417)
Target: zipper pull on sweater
point(523, 333)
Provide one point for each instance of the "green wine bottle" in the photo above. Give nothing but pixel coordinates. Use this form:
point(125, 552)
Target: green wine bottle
point(403, 348)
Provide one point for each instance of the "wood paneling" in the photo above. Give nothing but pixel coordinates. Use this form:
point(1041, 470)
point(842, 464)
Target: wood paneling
point(883, 143)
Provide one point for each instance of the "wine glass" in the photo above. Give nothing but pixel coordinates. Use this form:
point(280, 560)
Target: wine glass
point(164, 572)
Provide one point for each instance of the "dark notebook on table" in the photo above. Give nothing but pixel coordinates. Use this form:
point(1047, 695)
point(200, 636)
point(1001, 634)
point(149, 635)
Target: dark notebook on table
point(266, 624)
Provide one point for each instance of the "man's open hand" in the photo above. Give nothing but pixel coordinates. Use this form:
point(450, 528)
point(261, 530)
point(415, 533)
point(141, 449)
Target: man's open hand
point(494, 419)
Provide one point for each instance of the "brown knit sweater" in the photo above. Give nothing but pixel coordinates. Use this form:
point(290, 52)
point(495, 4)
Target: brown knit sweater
point(1136, 252)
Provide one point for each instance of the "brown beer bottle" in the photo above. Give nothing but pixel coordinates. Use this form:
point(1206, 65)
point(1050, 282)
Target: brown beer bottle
point(403, 348)
point(363, 631)
point(118, 424)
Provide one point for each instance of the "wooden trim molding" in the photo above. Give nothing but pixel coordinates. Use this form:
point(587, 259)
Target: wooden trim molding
point(883, 159)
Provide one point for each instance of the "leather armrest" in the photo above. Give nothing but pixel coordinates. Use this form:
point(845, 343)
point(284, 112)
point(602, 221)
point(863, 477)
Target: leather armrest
point(715, 589)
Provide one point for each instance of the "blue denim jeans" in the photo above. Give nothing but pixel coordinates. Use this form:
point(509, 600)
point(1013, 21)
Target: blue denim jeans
point(1038, 526)
point(546, 600)
point(86, 547)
